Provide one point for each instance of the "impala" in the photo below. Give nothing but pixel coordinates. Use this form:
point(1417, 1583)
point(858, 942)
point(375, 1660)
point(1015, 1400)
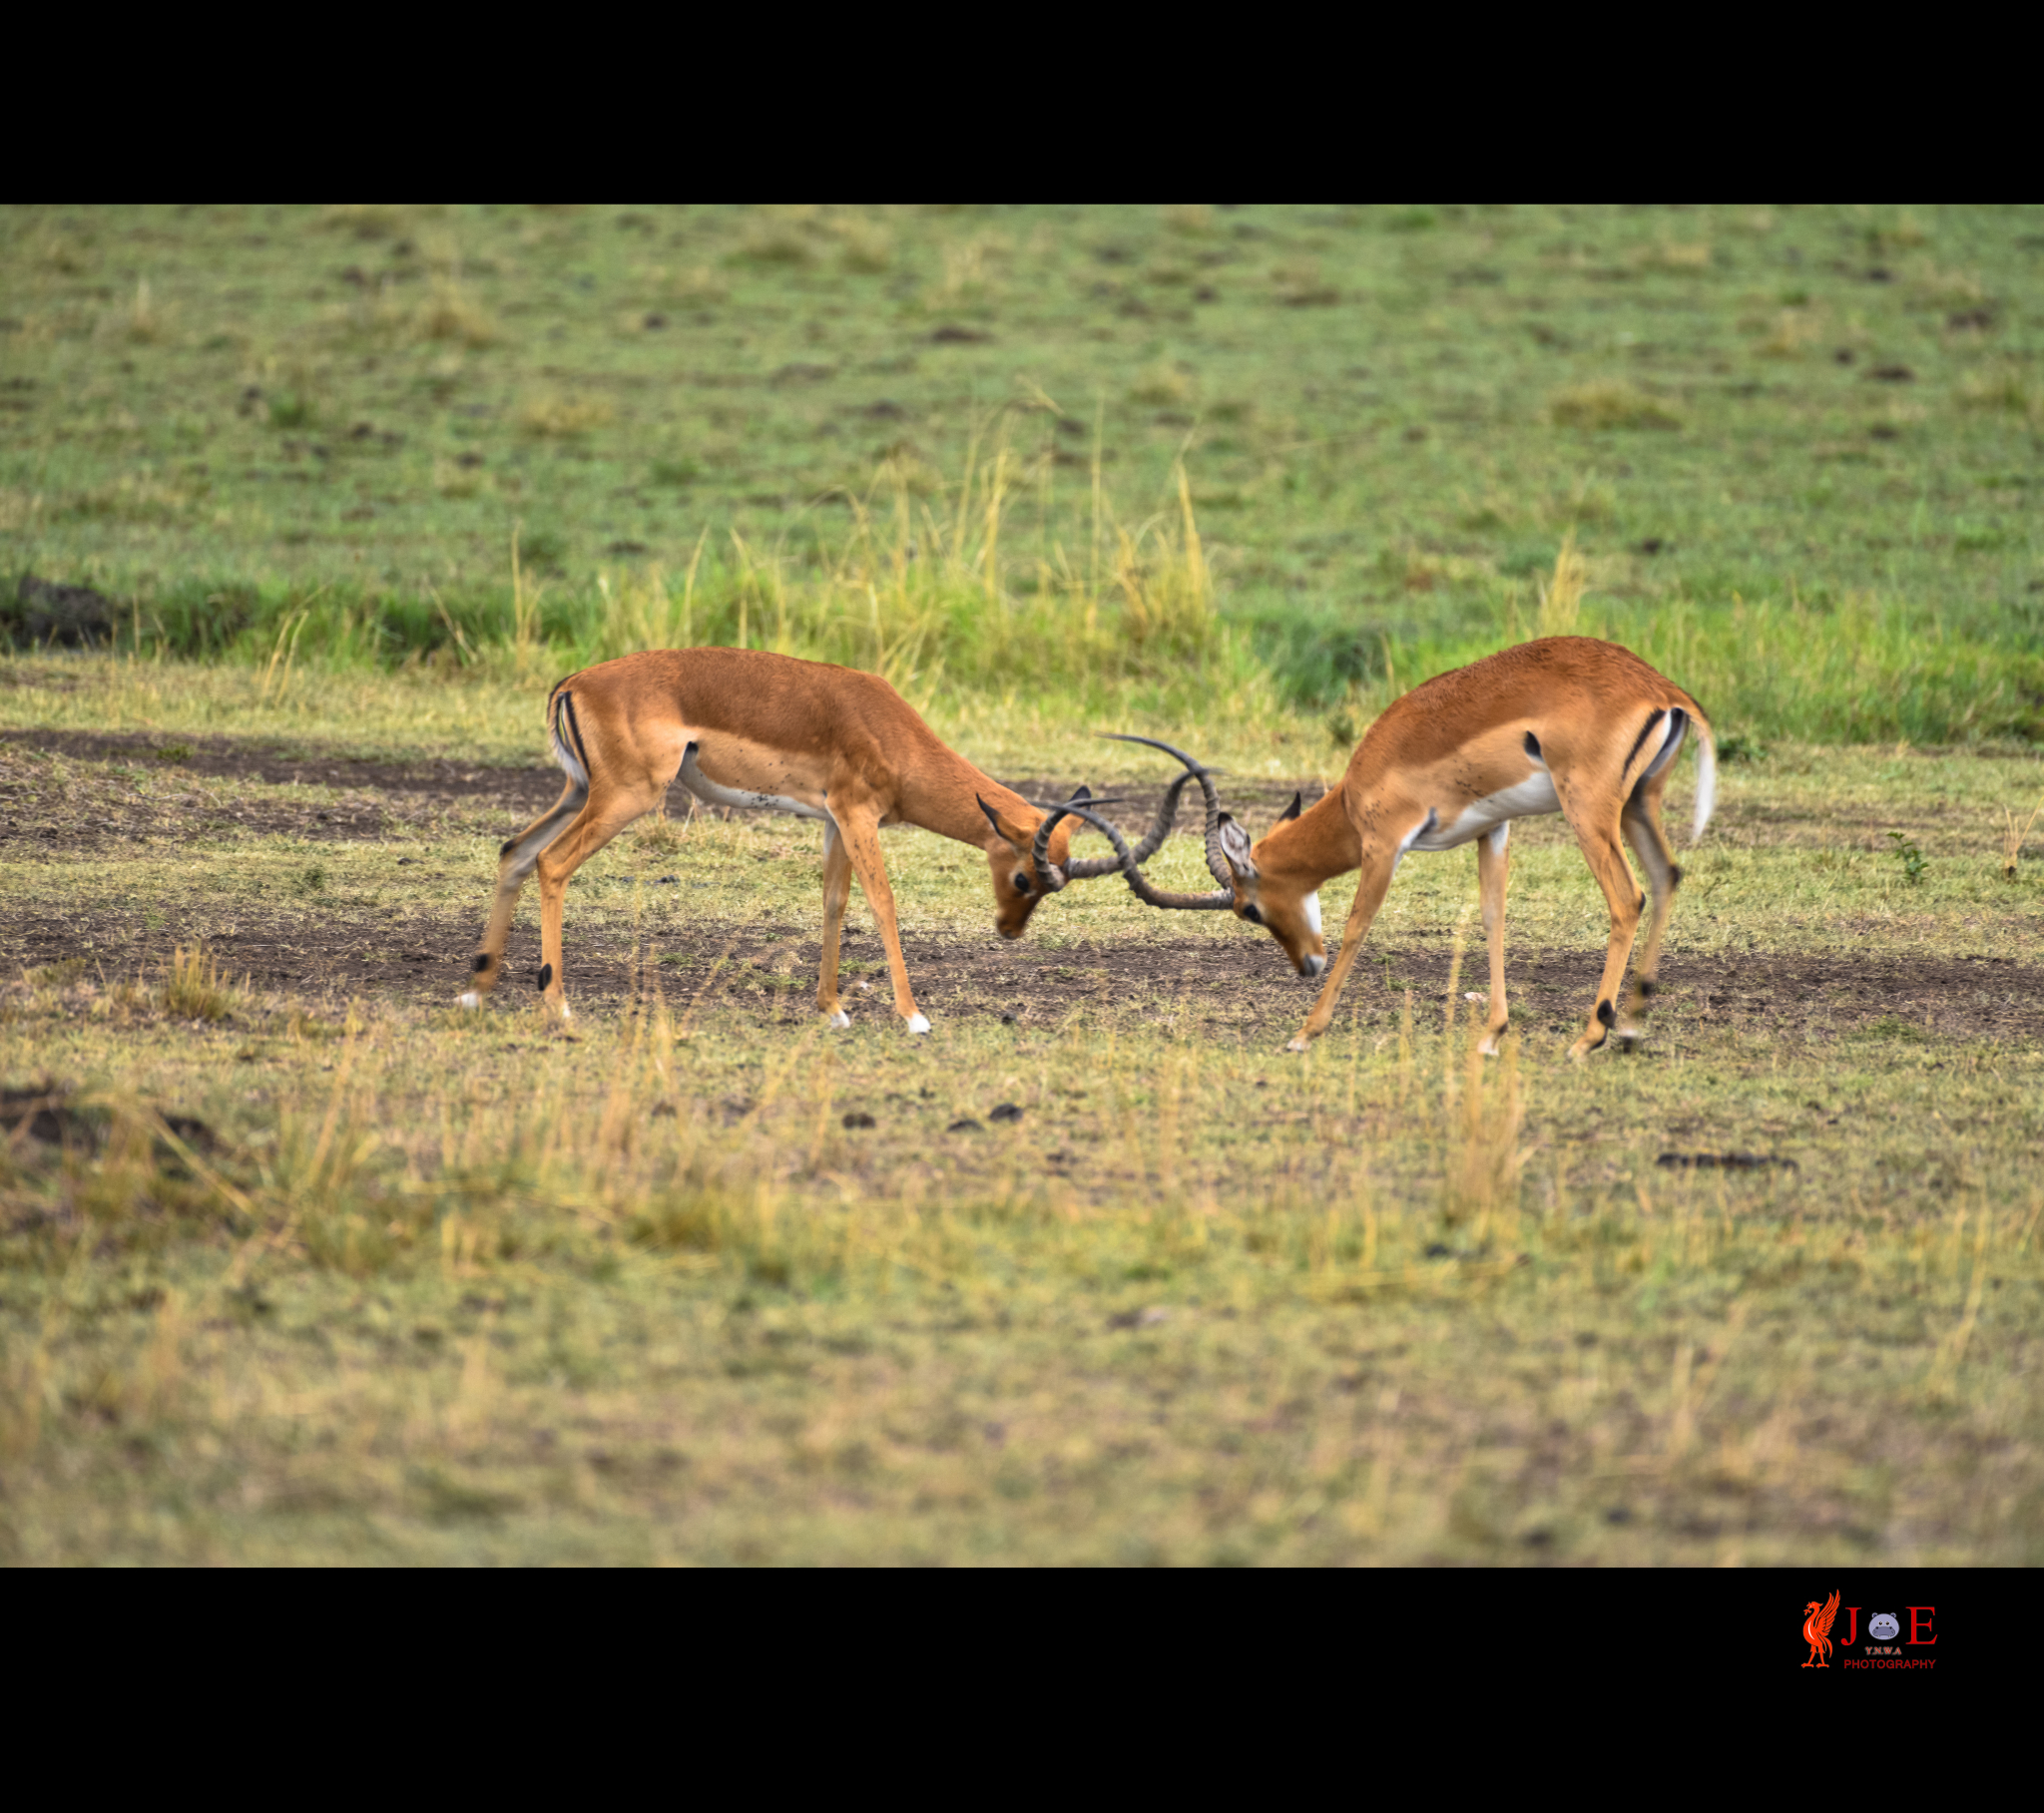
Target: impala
point(743, 728)
point(1564, 725)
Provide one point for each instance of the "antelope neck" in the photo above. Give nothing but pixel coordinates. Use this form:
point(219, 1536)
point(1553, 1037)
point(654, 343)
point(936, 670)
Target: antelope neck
point(1311, 848)
point(944, 798)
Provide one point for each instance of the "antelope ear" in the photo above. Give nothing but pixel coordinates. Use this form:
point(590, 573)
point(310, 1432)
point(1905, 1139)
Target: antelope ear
point(992, 817)
point(1013, 835)
point(1291, 811)
point(1234, 845)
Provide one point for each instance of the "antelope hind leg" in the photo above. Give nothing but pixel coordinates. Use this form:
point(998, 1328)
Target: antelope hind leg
point(601, 820)
point(1642, 826)
point(836, 891)
point(515, 861)
point(1622, 896)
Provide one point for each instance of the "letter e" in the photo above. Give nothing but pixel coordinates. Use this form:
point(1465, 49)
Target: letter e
point(1924, 1623)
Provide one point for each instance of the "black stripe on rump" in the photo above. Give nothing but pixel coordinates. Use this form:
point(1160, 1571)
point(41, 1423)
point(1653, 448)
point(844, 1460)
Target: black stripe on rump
point(1639, 742)
point(575, 730)
point(1678, 724)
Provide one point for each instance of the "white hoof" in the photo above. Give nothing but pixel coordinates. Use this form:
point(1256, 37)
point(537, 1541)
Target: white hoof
point(471, 999)
point(567, 1013)
point(1298, 1044)
point(917, 1024)
point(841, 1018)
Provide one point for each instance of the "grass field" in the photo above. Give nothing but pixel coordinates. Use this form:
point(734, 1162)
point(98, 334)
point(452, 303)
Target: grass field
point(299, 1264)
point(1795, 447)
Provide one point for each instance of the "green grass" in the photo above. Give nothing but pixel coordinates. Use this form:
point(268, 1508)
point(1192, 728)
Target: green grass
point(1796, 445)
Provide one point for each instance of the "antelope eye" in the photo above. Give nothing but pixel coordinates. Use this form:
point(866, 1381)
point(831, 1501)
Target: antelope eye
point(1022, 883)
point(1252, 914)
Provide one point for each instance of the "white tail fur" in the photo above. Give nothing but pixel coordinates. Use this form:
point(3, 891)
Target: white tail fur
point(1706, 780)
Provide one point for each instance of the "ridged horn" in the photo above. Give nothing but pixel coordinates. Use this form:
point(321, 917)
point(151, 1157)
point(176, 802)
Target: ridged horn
point(1153, 839)
point(1139, 885)
point(1049, 876)
point(1217, 863)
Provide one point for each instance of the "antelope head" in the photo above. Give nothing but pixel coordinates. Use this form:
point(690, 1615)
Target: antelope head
point(1285, 905)
point(1030, 861)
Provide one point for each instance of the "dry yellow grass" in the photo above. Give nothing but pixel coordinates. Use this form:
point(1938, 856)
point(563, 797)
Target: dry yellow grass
point(1561, 593)
point(561, 419)
point(450, 313)
point(194, 988)
point(1611, 403)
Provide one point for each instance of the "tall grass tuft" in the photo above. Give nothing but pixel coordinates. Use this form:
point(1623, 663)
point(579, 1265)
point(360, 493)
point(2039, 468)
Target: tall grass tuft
point(2012, 838)
point(1560, 595)
point(932, 592)
point(1480, 1188)
point(194, 988)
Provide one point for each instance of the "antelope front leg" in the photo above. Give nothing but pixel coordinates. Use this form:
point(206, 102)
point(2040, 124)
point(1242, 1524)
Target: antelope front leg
point(858, 827)
point(836, 891)
point(1493, 864)
point(1370, 886)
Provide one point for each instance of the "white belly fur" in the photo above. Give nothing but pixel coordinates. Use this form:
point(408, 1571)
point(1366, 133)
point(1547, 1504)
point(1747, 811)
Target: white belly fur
point(1532, 796)
point(743, 798)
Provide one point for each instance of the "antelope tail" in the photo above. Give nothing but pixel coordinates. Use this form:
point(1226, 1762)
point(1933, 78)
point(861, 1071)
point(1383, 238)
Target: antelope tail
point(1707, 774)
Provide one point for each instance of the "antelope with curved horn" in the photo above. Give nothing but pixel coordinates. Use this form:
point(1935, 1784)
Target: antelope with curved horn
point(1564, 725)
point(747, 729)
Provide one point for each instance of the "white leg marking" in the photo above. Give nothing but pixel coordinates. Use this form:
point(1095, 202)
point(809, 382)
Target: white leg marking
point(841, 1018)
point(471, 999)
point(917, 1024)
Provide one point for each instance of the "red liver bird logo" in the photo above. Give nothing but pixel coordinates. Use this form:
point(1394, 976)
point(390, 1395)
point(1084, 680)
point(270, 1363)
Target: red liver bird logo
point(1817, 1630)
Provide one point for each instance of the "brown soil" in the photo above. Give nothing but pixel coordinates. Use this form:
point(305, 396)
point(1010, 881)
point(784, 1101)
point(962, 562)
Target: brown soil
point(534, 787)
point(279, 764)
point(1244, 985)
point(389, 797)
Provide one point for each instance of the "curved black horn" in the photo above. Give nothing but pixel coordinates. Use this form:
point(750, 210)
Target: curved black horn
point(1217, 862)
point(1049, 877)
point(1153, 839)
point(1139, 885)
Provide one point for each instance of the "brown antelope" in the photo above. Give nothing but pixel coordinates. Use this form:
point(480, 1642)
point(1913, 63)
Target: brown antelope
point(1564, 725)
point(743, 728)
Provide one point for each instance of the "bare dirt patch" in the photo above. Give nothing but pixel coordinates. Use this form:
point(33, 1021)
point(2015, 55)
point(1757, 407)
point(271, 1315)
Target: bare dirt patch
point(769, 973)
point(283, 764)
point(376, 799)
point(328, 952)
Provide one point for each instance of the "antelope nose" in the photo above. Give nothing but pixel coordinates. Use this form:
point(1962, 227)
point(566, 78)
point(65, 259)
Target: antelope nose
point(1314, 965)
